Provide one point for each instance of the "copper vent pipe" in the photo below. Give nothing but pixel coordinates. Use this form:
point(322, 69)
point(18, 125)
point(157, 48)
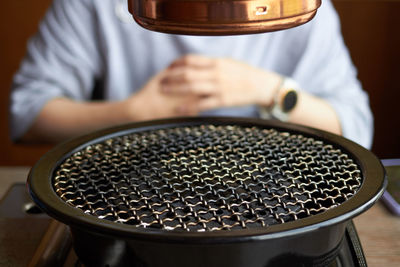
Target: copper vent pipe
point(221, 17)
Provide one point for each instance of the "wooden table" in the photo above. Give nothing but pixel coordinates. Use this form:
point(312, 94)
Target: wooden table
point(379, 233)
point(378, 229)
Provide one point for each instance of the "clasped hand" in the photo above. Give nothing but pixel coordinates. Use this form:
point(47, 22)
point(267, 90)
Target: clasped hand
point(196, 83)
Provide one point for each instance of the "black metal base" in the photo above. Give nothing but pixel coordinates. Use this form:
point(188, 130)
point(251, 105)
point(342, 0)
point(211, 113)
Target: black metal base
point(349, 253)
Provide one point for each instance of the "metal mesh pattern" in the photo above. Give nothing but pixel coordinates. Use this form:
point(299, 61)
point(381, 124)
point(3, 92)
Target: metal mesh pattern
point(207, 178)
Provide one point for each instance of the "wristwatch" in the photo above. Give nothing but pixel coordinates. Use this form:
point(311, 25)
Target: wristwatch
point(284, 102)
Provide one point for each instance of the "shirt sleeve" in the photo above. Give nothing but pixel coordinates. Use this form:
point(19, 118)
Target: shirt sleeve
point(62, 60)
point(326, 70)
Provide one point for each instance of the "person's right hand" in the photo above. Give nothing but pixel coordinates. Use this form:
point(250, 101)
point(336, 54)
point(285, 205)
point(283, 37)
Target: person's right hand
point(150, 103)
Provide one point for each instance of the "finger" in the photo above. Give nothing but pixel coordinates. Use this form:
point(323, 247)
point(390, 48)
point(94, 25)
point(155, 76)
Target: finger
point(186, 80)
point(187, 74)
point(203, 88)
point(208, 103)
point(188, 109)
point(194, 60)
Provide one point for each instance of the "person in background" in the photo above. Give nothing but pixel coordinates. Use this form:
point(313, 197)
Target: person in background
point(91, 66)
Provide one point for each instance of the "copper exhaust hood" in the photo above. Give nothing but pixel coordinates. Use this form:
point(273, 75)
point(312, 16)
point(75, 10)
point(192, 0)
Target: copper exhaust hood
point(221, 17)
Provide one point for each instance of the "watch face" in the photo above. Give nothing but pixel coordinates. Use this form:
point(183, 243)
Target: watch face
point(289, 101)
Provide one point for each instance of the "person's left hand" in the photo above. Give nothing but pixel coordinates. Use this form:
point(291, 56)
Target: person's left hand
point(219, 82)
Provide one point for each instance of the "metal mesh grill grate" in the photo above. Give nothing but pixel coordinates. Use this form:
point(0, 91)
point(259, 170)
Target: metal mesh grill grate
point(207, 178)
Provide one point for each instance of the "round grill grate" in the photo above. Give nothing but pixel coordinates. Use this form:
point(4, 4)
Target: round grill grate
point(207, 178)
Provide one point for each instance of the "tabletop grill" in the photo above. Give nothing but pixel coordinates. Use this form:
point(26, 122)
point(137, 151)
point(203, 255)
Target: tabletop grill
point(207, 192)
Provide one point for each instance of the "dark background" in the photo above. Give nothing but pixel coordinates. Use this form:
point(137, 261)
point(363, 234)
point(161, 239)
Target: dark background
point(371, 29)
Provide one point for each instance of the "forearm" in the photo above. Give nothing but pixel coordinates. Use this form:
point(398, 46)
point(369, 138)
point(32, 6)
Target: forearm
point(64, 118)
point(315, 112)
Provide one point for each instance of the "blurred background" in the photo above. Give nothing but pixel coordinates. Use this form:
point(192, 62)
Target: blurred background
point(371, 29)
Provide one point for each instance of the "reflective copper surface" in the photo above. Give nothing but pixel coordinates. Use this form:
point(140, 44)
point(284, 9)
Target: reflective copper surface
point(221, 17)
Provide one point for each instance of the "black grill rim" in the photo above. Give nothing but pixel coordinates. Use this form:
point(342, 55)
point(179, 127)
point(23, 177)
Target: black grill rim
point(41, 190)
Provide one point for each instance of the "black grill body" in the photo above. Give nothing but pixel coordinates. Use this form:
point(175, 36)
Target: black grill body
point(315, 248)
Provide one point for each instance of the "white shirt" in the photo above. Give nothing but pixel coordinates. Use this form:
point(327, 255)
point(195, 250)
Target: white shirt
point(80, 43)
